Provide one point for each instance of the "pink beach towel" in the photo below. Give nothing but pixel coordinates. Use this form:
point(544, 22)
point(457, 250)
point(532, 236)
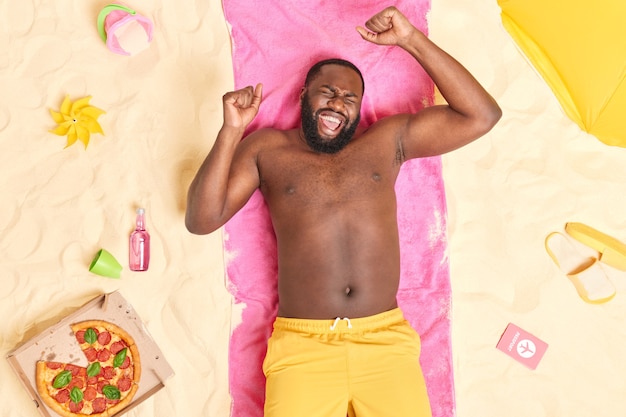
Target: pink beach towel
point(275, 42)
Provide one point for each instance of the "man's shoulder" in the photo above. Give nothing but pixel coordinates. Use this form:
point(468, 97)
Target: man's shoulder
point(382, 131)
point(267, 137)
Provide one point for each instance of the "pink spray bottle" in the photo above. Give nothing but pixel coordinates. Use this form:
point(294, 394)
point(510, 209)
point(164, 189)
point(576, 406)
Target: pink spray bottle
point(139, 247)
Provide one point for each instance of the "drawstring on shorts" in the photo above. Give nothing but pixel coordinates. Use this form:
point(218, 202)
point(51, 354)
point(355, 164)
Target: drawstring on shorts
point(332, 325)
point(337, 320)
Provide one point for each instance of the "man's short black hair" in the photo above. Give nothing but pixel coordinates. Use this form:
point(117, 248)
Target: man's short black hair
point(316, 68)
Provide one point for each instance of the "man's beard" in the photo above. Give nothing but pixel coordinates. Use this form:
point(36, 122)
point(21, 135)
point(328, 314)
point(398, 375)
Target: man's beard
point(312, 136)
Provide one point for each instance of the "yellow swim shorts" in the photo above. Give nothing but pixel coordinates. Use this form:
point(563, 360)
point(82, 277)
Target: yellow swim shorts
point(363, 367)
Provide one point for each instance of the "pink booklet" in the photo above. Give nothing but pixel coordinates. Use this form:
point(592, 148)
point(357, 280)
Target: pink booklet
point(522, 346)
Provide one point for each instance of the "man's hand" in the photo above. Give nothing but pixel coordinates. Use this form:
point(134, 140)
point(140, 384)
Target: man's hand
point(242, 106)
point(389, 27)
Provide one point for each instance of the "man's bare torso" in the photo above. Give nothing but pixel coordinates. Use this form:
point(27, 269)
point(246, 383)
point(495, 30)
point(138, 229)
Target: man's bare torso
point(334, 216)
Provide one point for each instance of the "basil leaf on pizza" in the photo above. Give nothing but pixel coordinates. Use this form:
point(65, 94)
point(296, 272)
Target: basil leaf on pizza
point(62, 379)
point(91, 336)
point(93, 369)
point(119, 358)
point(76, 395)
point(111, 392)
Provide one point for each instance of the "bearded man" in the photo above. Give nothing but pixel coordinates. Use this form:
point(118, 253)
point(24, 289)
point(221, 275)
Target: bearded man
point(340, 344)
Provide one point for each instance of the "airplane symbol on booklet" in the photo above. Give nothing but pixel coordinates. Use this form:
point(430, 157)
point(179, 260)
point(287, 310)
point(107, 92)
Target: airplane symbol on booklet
point(525, 348)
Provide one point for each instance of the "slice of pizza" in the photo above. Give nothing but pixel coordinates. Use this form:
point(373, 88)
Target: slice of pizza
point(105, 386)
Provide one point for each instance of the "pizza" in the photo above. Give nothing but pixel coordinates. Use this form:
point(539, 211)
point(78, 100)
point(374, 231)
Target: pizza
point(105, 386)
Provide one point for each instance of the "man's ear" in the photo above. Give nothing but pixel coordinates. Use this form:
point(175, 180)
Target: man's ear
point(302, 93)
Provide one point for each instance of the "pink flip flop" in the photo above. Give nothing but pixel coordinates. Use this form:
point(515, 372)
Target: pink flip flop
point(123, 30)
point(588, 277)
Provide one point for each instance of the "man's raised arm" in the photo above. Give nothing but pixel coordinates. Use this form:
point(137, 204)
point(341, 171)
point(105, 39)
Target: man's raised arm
point(471, 111)
point(228, 176)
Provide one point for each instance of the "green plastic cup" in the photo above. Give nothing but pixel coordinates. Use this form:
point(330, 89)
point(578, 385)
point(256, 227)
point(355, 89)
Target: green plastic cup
point(105, 264)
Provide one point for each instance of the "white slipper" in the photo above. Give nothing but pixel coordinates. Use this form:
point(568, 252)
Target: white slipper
point(588, 277)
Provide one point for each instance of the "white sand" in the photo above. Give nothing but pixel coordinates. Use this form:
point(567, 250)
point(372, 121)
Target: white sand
point(532, 173)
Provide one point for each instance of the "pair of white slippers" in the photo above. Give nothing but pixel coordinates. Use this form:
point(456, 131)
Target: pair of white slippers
point(586, 272)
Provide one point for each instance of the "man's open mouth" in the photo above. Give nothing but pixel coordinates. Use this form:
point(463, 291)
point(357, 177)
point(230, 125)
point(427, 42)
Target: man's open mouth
point(331, 121)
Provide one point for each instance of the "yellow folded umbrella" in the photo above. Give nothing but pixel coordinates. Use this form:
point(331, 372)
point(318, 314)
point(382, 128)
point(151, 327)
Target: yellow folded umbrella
point(579, 48)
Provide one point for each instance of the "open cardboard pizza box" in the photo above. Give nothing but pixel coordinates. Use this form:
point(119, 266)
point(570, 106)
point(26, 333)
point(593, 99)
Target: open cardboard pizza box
point(58, 343)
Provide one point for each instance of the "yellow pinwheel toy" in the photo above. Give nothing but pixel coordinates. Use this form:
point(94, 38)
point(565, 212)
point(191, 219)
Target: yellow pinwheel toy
point(77, 120)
